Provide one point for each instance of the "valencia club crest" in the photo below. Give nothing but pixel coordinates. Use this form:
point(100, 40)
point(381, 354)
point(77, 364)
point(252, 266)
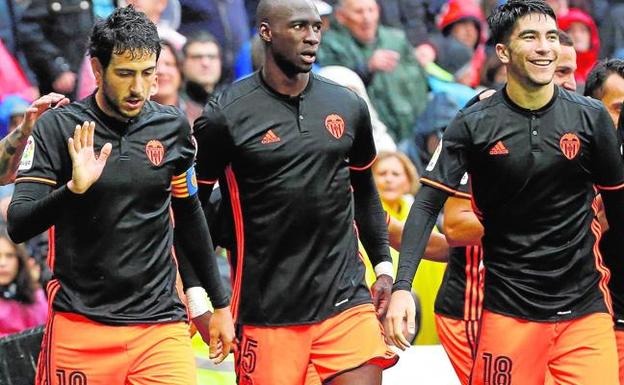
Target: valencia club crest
point(335, 125)
point(570, 145)
point(155, 152)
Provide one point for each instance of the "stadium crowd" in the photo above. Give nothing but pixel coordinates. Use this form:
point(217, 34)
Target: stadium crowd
point(415, 64)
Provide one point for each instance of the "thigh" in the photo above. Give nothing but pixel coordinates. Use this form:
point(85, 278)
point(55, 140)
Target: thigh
point(78, 351)
point(585, 352)
point(161, 354)
point(273, 355)
point(459, 339)
point(511, 351)
point(349, 340)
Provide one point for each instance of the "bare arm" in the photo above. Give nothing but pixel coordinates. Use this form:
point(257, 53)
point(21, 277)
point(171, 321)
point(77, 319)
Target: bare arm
point(12, 145)
point(437, 247)
point(461, 225)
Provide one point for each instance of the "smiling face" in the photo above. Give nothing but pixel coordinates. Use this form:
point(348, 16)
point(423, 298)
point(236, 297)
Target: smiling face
point(125, 84)
point(532, 51)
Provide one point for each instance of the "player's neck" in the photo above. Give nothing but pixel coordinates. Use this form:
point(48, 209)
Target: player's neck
point(282, 83)
point(530, 98)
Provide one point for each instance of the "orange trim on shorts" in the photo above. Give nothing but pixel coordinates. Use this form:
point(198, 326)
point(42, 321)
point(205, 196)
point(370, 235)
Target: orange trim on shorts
point(602, 269)
point(438, 185)
point(366, 167)
point(51, 248)
point(35, 179)
point(240, 238)
point(43, 375)
point(473, 294)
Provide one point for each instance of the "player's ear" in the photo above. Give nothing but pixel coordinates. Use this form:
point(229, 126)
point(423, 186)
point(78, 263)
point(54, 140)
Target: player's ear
point(502, 51)
point(265, 32)
point(98, 71)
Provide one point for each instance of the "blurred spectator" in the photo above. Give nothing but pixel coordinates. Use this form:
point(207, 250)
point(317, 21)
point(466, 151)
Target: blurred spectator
point(411, 17)
point(452, 71)
point(566, 65)
point(347, 78)
point(226, 20)
point(440, 110)
point(201, 67)
point(103, 8)
point(464, 21)
point(494, 73)
point(606, 83)
point(383, 59)
point(612, 31)
point(12, 111)
point(22, 304)
point(169, 77)
point(12, 78)
point(584, 33)
point(8, 24)
point(53, 37)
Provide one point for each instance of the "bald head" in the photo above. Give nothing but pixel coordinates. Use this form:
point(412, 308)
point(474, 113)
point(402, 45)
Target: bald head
point(271, 9)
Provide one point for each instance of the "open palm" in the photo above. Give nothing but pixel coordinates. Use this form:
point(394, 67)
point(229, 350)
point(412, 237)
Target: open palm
point(86, 166)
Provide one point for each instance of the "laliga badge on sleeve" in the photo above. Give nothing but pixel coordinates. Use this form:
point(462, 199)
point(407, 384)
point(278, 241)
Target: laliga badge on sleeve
point(28, 156)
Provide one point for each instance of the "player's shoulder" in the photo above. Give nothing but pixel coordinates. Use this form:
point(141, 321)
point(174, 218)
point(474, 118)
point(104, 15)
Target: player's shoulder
point(329, 88)
point(152, 108)
point(237, 93)
point(488, 105)
point(583, 102)
point(61, 120)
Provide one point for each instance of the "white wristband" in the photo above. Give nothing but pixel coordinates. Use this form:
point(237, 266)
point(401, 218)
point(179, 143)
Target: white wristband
point(198, 302)
point(384, 268)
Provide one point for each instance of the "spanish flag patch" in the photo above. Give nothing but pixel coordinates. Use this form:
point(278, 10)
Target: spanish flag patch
point(184, 185)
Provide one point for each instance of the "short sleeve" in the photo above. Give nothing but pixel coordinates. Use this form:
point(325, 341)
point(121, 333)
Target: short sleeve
point(214, 143)
point(449, 161)
point(42, 159)
point(607, 162)
point(363, 152)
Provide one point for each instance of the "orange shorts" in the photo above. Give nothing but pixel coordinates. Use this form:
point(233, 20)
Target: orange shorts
point(78, 351)
point(512, 351)
point(459, 339)
point(308, 354)
point(619, 340)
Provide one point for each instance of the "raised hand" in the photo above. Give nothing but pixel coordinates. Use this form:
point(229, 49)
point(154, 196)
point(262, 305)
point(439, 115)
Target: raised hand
point(86, 166)
point(38, 107)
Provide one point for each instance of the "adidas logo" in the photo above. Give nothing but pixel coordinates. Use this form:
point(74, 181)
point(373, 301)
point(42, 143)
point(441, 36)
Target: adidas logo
point(270, 137)
point(499, 149)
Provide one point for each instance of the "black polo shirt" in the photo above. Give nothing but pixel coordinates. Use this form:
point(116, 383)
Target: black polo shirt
point(461, 292)
point(285, 164)
point(112, 245)
point(533, 175)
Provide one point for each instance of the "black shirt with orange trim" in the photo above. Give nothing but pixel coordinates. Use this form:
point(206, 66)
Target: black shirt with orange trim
point(533, 175)
point(112, 246)
point(461, 292)
point(611, 249)
point(285, 164)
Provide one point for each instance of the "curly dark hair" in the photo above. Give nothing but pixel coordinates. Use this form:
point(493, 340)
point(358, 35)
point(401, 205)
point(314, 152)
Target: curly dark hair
point(594, 85)
point(125, 30)
point(503, 18)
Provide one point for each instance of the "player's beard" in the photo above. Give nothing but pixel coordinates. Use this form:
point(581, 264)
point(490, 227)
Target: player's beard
point(112, 104)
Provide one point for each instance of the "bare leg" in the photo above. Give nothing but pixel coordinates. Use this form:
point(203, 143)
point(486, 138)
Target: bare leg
point(364, 375)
